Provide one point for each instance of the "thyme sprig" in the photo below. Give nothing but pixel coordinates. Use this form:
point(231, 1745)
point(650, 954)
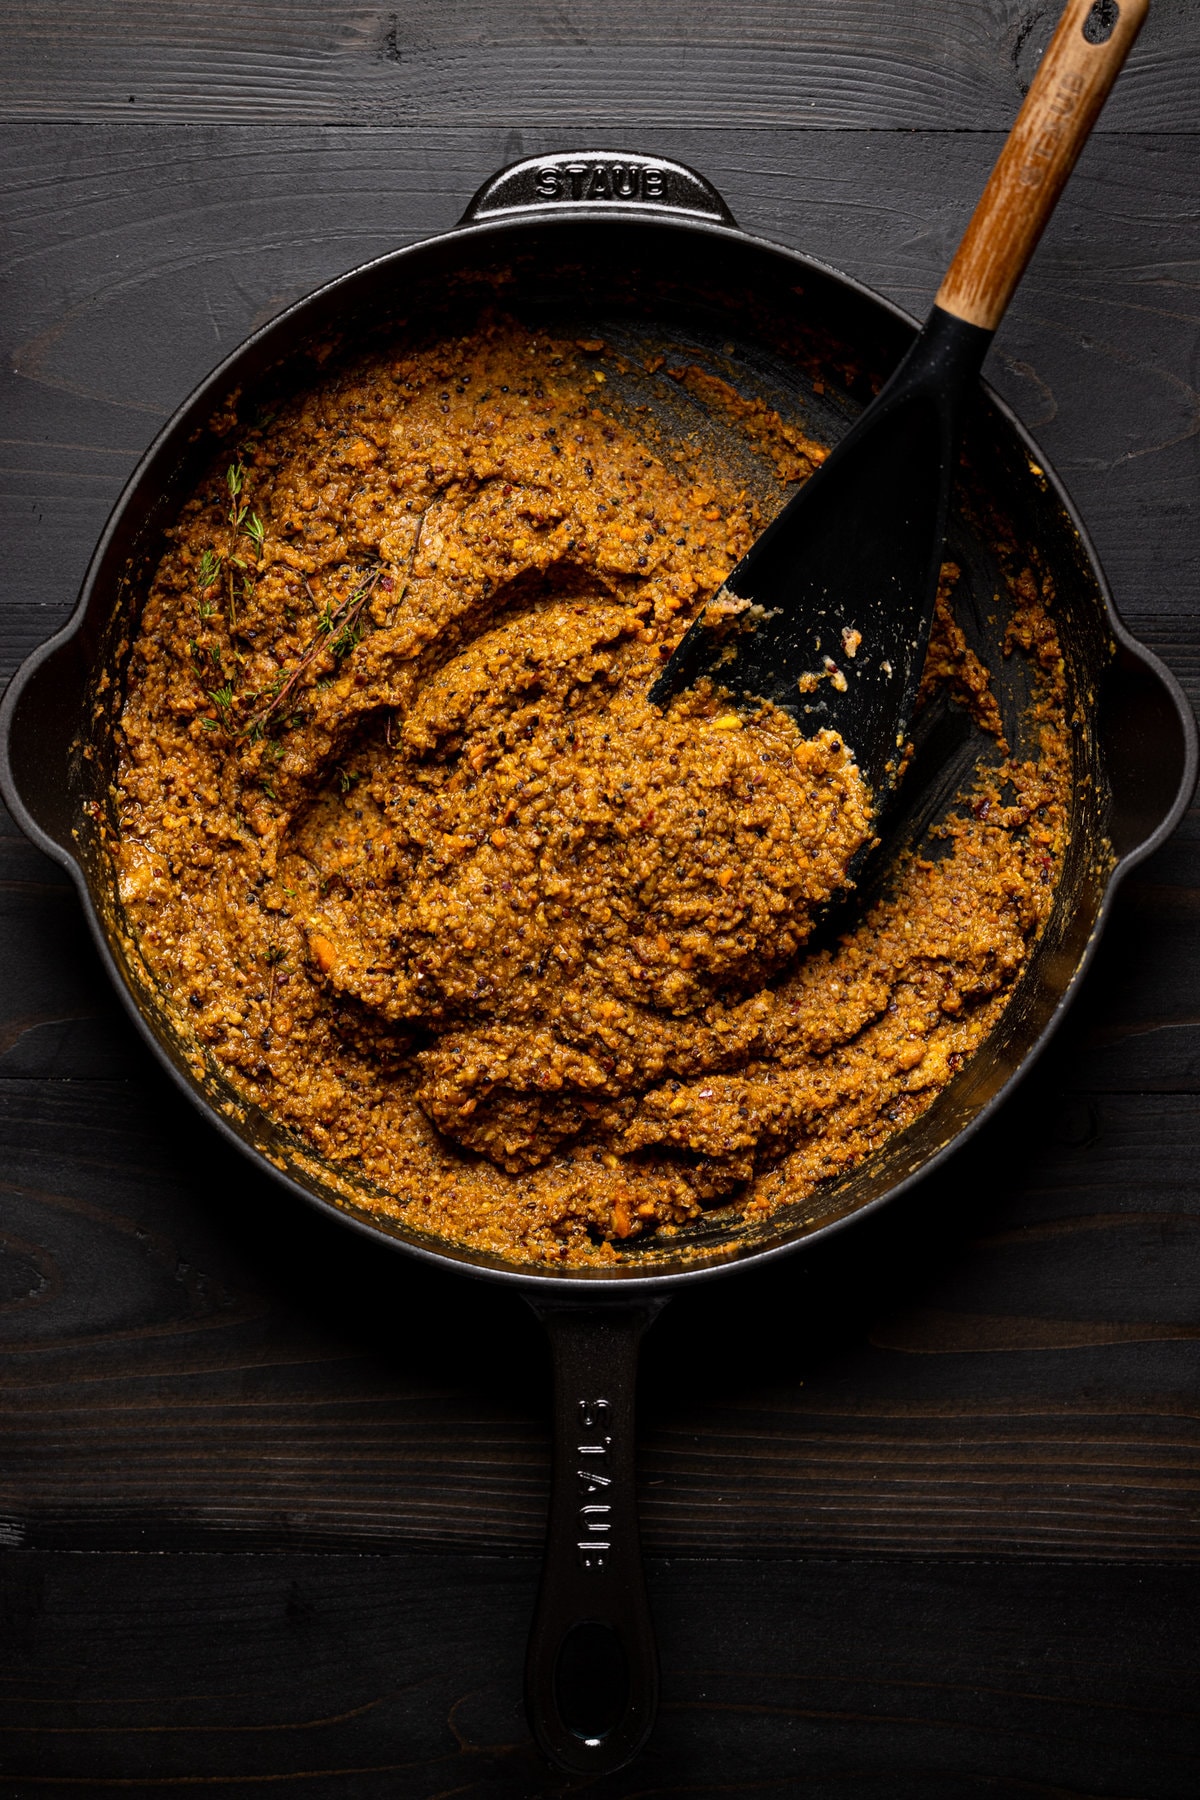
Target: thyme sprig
point(217, 564)
point(235, 481)
point(338, 630)
point(209, 572)
point(222, 699)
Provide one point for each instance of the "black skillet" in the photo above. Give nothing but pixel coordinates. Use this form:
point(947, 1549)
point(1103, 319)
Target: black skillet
point(644, 254)
point(846, 575)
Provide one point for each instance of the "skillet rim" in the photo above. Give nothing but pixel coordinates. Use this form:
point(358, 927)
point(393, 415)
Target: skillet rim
point(600, 1287)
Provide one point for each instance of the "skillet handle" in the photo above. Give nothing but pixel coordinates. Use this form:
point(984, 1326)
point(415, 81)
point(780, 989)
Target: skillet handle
point(1148, 734)
point(42, 713)
point(591, 1673)
point(598, 181)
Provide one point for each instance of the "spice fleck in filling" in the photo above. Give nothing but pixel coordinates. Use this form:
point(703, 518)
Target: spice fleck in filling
point(421, 871)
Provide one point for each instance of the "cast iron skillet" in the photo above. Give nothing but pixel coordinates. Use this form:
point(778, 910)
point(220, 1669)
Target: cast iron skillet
point(643, 253)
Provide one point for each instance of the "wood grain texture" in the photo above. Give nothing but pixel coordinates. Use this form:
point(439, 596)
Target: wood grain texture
point(1006, 1366)
point(138, 256)
point(399, 1678)
point(182, 1363)
point(943, 65)
point(1071, 84)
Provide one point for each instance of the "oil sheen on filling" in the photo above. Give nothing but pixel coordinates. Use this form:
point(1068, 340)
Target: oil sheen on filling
point(416, 865)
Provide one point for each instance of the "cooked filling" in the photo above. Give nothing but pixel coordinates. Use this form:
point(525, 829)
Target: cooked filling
point(416, 865)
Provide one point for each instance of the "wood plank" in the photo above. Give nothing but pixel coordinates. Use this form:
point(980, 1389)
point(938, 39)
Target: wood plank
point(582, 65)
point(58, 1014)
point(1005, 1365)
point(231, 1396)
point(401, 1677)
point(138, 256)
point(1138, 1024)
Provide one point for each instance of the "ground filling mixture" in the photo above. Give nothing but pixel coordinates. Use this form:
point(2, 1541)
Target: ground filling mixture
point(418, 867)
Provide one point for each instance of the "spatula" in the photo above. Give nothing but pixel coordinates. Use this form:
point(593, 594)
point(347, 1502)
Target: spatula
point(829, 614)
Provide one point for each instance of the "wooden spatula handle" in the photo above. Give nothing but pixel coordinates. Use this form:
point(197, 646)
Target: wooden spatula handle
point(1081, 62)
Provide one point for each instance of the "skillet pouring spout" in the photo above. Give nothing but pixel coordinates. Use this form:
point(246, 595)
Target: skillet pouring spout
point(1148, 726)
point(40, 722)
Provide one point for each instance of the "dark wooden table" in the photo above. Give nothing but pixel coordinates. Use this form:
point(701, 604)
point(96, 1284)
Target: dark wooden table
point(923, 1513)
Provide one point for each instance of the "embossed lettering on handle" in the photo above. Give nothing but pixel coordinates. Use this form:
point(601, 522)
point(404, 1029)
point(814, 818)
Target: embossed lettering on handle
point(591, 1679)
point(594, 1476)
point(601, 181)
point(598, 181)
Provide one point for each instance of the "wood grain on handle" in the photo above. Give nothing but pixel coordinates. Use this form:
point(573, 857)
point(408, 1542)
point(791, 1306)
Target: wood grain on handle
point(1070, 87)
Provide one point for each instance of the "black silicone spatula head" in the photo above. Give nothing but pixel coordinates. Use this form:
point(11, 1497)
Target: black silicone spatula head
point(828, 616)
